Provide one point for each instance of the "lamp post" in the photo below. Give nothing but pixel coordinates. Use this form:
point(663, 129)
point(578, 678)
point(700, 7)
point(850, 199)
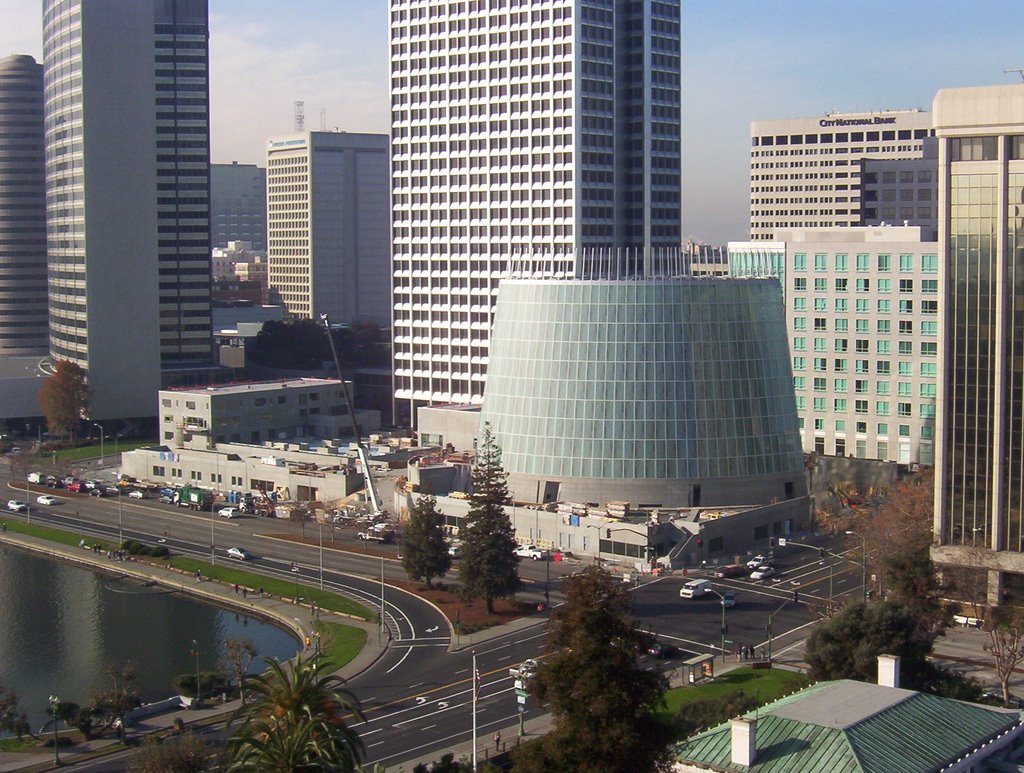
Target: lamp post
point(54, 708)
point(120, 527)
point(863, 562)
point(320, 528)
point(721, 599)
point(195, 651)
point(102, 455)
point(768, 628)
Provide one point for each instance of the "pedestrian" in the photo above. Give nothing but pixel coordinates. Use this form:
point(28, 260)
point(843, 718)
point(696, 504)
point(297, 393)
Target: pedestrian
point(199, 575)
point(261, 591)
point(245, 592)
point(5, 527)
point(497, 742)
point(236, 588)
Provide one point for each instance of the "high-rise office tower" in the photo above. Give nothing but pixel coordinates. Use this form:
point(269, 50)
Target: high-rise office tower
point(520, 128)
point(238, 205)
point(327, 225)
point(979, 501)
point(127, 183)
point(23, 319)
point(835, 170)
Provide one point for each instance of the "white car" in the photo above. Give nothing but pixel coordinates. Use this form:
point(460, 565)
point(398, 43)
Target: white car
point(46, 499)
point(763, 572)
point(228, 512)
point(524, 670)
point(757, 561)
point(240, 553)
point(530, 551)
point(136, 494)
point(455, 551)
point(16, 506)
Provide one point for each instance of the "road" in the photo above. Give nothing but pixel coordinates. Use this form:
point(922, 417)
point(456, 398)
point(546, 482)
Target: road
point(417, 697)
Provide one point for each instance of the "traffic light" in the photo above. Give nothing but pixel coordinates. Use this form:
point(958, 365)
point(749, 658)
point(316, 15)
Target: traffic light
point(821, 553)
point(796, 597)
point(771, 542)
point(608, 533)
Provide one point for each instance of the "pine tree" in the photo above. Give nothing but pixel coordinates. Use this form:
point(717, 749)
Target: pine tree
point(490, 567)
point(424, 547)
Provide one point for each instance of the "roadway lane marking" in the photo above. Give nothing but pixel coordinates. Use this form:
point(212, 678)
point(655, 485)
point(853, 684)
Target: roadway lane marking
point(441, 742)
point(400, 662)
point(428, 727)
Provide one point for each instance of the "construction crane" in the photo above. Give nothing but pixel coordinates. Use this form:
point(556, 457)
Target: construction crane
point(364, 457)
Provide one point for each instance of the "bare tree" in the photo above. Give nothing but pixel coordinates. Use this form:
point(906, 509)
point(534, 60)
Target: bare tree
point(1006, 644)
point(238, 656)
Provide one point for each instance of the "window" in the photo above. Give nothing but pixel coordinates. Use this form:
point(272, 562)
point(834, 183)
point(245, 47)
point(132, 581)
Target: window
point(821, 304)
point(840, 425)
point(839, 405)
point(883, 449)
point(799, 382)
point(839, 366)
point(906, 263)
point(884, 306)
point(860, 386)
point(861, 427)
point(884, 326)
point(882, 408)
point(928, 390)
point(801, 402)
point(929, 307)
point(903, 409)
point(820, 364)
point(882, 429)
point(930, 286)
point(799, 363)
point(929, 264)
point(800, 284)
point(904, 430)
point(906, 327)
point(821, 262)
point(820, 285)
point(882, 347)
point(839, 385)
point(842, 325)
point(799, 323)
point(885, 285)
point(906, 348)
point(905, 368)
point(906, 307)
point(819, 383)
point(929, 348)
point(820, 344)
point(841, 344)
point(861, 305)
point(927, 432)
point(863, 285)
point(882, 367)
point(819, 405)
point(927, 411)
point(883, 262)
point(860, 366)
point(799, 304)
point(841, 284)
point(903, 388)
point(841, 264)
point(820, 324)
point(842, 305)
point(861, 326)
point(159, 472)
point(929, 328)
point(799, 262)
point(863, 344)
point(929, 369)
point(862, 449)
point(906, 285)
point(882, 388)
point(840, 447)
point(863, 262)
point(860, 406)
point(799, 344)
point(972, 149)
point(819, 425)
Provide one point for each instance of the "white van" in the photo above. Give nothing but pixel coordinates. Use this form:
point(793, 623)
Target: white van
point(694, 589)
point(35, 477)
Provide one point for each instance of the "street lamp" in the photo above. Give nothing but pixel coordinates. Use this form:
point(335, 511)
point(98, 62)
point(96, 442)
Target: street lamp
point(54, 708)
point(102, 455)
point(721, 599)
point(320, 528)
point(120, 526)
point(863, 561)
point(195, 651)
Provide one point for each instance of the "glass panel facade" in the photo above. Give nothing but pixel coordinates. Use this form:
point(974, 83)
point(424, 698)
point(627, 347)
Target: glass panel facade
point(1015, 372)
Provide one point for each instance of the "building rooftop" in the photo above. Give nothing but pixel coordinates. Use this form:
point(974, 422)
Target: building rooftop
point(856, 727)
point(253, 386)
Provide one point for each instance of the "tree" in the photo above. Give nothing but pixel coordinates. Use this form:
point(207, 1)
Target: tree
point(1005, 627)
point(425, 547)
point(848, 646)
point(295, 721)
point(64, 399)
point(12, 718)
point(604, 705)
point(301, 515)
point(912, 582)
point(185, 754)
point(112, 705)
point(490, 567)
point(239, 653)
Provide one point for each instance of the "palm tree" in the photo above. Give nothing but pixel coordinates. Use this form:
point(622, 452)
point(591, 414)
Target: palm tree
point(294, 721)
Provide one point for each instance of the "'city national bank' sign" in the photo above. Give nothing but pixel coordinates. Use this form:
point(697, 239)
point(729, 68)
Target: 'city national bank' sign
point(872, 121)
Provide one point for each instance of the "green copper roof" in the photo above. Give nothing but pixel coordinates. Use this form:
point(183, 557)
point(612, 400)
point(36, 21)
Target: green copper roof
point(856, 727)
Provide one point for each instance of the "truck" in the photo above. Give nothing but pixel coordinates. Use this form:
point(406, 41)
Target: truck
point(194, 498)
point(385, 537)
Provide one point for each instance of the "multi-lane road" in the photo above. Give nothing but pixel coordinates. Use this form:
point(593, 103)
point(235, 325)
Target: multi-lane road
point(417, 696)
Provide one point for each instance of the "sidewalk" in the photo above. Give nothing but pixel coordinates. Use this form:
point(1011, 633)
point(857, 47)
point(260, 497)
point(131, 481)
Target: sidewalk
point(283, 611)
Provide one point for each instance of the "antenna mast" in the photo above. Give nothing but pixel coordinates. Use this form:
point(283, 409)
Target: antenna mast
point(300, 115)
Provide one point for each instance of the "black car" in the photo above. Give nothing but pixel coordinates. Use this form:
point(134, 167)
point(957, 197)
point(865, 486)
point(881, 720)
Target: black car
point(662, 649)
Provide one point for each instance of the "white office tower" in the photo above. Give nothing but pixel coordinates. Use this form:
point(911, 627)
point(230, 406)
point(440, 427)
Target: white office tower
point(127, 185)
point(520, 128)
point(833, 171)
point(328, 250)
point(23, 319)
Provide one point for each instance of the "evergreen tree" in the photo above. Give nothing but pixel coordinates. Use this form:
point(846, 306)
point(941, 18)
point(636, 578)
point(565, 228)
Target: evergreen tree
point(604, 704)
point(64, 398)
point(490, 567)
point(424, 548)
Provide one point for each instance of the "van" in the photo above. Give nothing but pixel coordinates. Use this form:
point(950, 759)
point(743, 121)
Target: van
point(694, 589)
point(35, 477)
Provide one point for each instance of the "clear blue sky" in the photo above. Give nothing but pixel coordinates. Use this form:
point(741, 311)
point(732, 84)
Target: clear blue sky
point(743, 60)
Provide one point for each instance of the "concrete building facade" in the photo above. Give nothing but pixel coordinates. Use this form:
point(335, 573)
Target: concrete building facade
point(863, 309)
point(327, 225)
point(810, 172)
point(519, 129)
point(128, 211)
point(979, 501)
point(238, 205)
point(24, 324)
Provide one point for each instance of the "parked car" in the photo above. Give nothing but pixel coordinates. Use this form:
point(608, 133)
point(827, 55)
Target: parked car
point(228, 512)
point(46, 499)
point(732, 570)
point(97, 492)
point(74, 486)
point(531, 551)
point(167, 499)
point(16, 506)
point(136, 494)
point(763, 572)
point(240, 553)
point(661, 649)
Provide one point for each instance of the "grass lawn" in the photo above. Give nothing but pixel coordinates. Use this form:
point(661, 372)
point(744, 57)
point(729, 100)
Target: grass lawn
point(55, 535)
point(764, 685)
point(93, 451)
point(26, 744)
point(340, 643)
point(276, 587)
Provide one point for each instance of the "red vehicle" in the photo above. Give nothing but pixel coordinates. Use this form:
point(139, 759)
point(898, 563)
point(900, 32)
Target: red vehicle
point(735, 570)
point(75, 486)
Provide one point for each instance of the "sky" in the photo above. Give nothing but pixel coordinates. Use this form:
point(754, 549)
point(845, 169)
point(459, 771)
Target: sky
point(743, 60)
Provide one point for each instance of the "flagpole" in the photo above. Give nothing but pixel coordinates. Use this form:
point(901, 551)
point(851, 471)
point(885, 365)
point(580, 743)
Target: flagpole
point(475, 689)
